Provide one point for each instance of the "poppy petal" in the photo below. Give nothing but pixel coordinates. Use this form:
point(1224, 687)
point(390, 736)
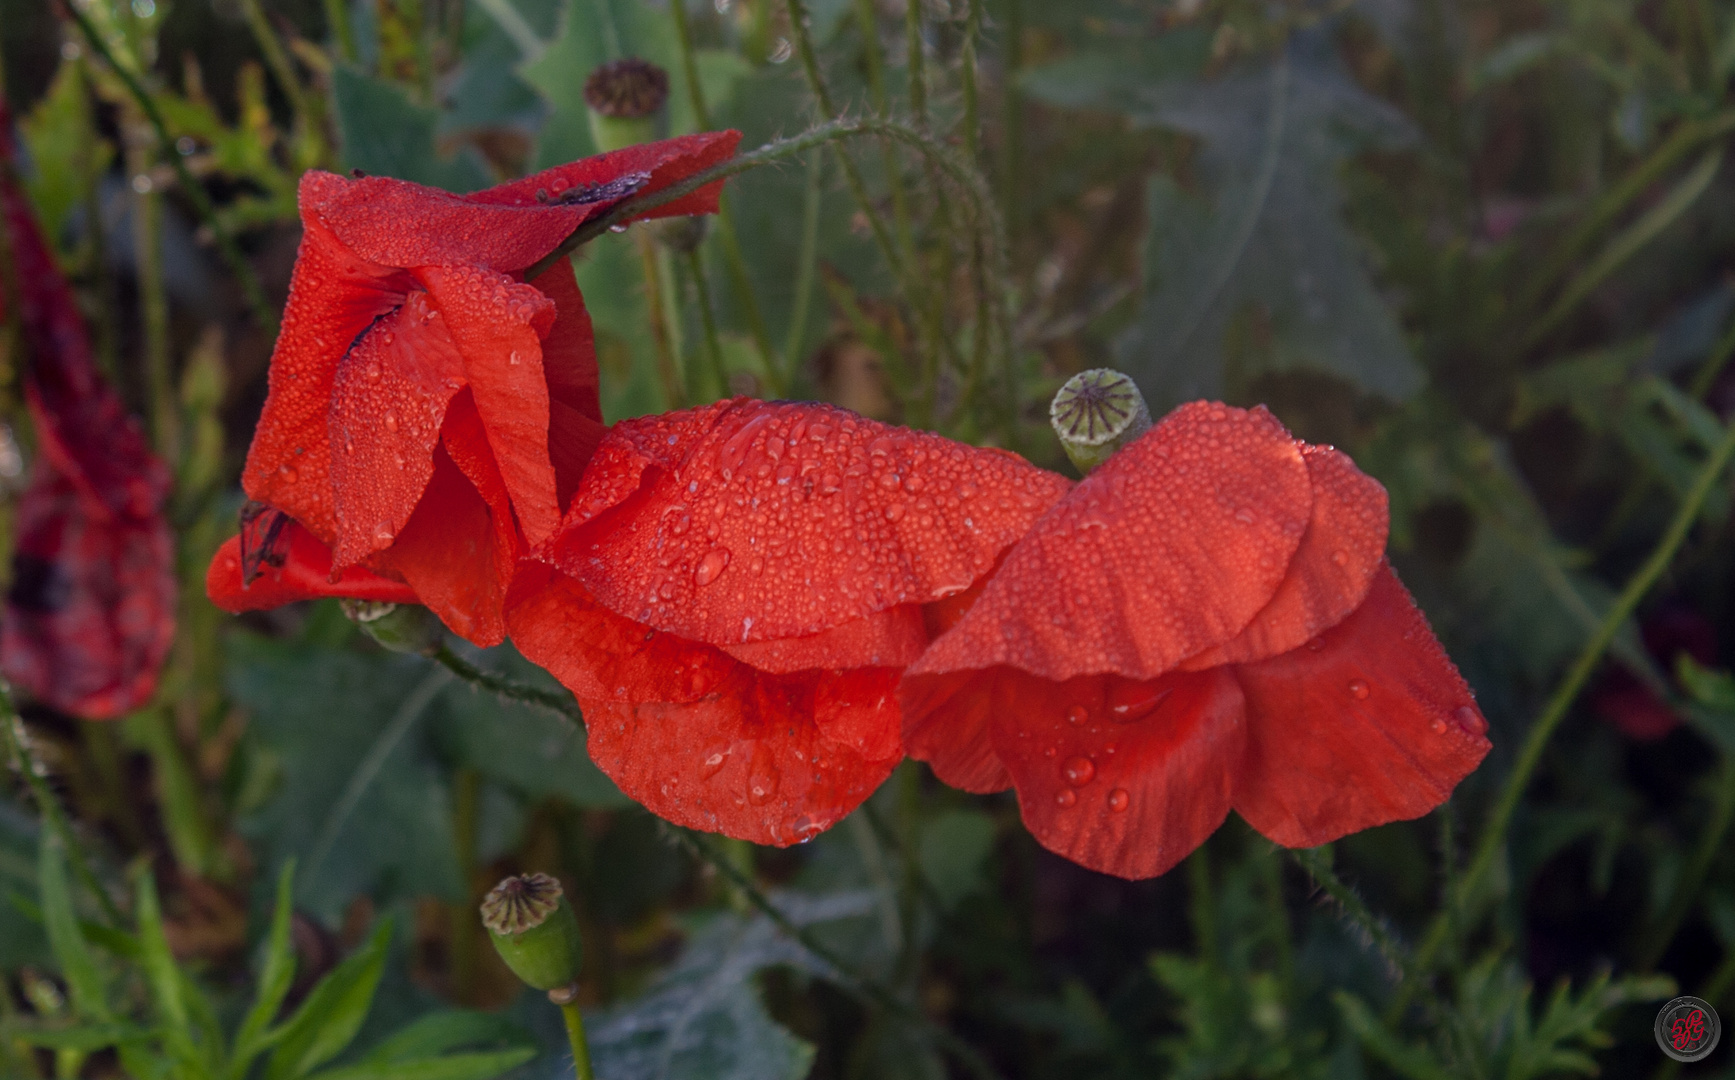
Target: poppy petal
point(1332, 570)
point(1120, 776)
point(699, 738)
point(1368, 723)
point(448, 555)
point(506, 228)
point(946, 719)
point(334, 297)
point(890, 638)
point(1168, 549)
point(90, 615)
point(750, 521)
point(300, 569)
point(575, 426)
point(466, 442)
point(498, 326)
point(388, 400)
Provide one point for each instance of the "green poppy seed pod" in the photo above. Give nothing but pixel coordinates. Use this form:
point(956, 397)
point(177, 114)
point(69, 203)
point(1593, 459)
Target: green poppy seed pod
point(534, 930)
point(1096, 413)
point(626, 100)
point(404, 628)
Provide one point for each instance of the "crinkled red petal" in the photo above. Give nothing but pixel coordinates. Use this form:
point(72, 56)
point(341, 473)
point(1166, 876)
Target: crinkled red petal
point(1168, 549)
point(90, 615)
point(388, 400)
point(750, 521)
point(1369, 723)
point(507, 228)
point(465, 440)
point(699, 738)
point(334, 297)
point(575, 426)
point(890, 638)
point(1120, 776)
point(946, 718)
point(302, 572)
point(1332, 571)
point(448, 555)
point(498, 326)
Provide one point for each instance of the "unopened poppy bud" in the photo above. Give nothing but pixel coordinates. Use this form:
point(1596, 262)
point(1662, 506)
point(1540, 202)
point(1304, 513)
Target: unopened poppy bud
point(405, 628)
point(534, 931)
point(1096, 413)
point(626, 102)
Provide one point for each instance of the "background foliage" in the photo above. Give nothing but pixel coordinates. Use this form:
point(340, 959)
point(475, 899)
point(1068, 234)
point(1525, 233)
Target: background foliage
point(1481, 244)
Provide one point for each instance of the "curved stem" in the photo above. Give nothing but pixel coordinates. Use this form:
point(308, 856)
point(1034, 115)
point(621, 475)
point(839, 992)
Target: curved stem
point(1318, 863)
point(195, 193)
point(1494, 832)
point(576, 1039)
point(510, 689)
point(860, 986)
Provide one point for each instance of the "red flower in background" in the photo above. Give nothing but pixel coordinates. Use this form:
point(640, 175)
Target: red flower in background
point(429, 412)
point(736, 589)
point(1633, 707)
point(1207, 621)
point(91, 611)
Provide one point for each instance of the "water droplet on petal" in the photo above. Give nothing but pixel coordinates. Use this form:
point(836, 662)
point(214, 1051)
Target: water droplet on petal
point(1470, 720)
point(1341, 558)
point(512, 357)
point(384, 533)
point(373, 372)
point(1078, 771)
point(289, 475)
point(1128, 702)
point(712, 765)
point(1315, 644)
point(390, 420)
point(1118, 799)
point(1244, 516)
point(895, 512)
point(1066, 797)
point(1077, 714)
point(1358, 689)
point(1438, 726)
point(762, 785)
point(711, 566)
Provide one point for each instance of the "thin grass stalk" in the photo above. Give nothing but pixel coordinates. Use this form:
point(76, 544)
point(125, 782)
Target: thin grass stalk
point(917, 62)
point(708, 320)
point(806, 267)
point(190, 186)
point(1494, 830)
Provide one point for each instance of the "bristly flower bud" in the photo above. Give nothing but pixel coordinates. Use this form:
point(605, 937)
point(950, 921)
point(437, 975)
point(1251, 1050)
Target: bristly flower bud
point(403, 628)
point(534, 930)
point(626, 99)
point(1096, 413)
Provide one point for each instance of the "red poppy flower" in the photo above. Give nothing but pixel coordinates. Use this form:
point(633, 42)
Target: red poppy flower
point(1207, 621)
point(736, 589)
point(91, 611)
point(1633, 707)
point(429, 411)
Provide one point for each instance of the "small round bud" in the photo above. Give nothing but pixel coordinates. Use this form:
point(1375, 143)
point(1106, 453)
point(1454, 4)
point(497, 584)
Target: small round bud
point(405, 628)
point(626, 99)
point(534, 930)
point(1096, 413)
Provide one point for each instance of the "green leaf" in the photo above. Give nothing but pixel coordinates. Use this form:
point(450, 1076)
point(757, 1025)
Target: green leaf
point(531, 751)
point(333, 1012)
point(22, 942)
point(954, 849)
point(84, 1038)
point(445, 1030)
point(66, 156)
point(1260, 275)
point(1406, 1059)
point(276, 975)
point(702, 1020)
point(474, 1066)
point(170, 989)
point(77, 965)
point(363, 805)
point(382, 132)
point(1103, 78)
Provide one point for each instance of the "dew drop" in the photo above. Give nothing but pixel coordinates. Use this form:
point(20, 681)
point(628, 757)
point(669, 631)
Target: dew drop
point(1244, 516)
point(1118, 800)
point(1470, 720)
point(762, 785)
point(712, 765)
point(895, 512)
point(373, 372)
point(1438, 726)
point(384, 533)
point(390, 420)
point(512, 357)
point(711, 566)
point(1341, 558)
point(290, 476)
point(667, 590)
point(1066, 797)
point(1050, 752)
point(1077, 714)
point(1358, 689)
point(1135, 701)
point(386, 338)
point(1315, 644)
point(1078, 771)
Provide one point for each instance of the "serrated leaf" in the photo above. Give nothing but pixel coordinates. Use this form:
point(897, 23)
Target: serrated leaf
point(83, 978)
point(1406, 1059)
point(362, 804)
point(382, 132)
point(333, 1012)
point(703, 1020)
point(1262, 255)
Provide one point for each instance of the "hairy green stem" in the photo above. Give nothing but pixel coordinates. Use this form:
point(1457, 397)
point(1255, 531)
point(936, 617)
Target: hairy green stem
point(972, 120)
point(858, 985)
point(575, 1036)
point(1318, 863)
point(1494, 831)
point(510, 689)
point(147, 227)
point(207, 211)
